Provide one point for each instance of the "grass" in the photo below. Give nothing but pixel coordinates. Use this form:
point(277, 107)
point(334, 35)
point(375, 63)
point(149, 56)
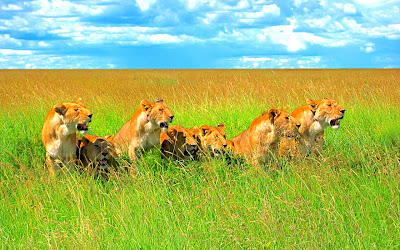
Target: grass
point(349, 198)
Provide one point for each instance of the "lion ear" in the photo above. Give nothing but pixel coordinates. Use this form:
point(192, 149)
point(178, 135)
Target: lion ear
point(204, 129)
point(146, 106)
point(109, 137)
point(221, 127)
point(159, 100)
point(60, 109)
point(172, 132)
point(86, 139)
point(273, 113)
point(312, 104)
point(79, 101)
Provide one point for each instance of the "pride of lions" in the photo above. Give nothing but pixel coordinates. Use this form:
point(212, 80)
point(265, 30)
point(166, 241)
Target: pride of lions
point(275, 133)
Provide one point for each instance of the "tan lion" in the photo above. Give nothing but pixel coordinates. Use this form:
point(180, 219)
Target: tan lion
point(59, 133)
point(178, 143)
point(97, 154)
point(211, 140)
point(142, 132)
point(261, 140)
point(314, 118)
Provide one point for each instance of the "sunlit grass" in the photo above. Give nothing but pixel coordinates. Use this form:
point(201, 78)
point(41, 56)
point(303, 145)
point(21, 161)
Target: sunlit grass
point(348, 198)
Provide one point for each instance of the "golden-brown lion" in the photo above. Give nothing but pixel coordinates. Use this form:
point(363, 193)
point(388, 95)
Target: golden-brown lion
point(59, 133)
point(97, 154)
point(261, 140)
point(142, 132)
point(314, 118)
point(211, 140)
point(178, 143)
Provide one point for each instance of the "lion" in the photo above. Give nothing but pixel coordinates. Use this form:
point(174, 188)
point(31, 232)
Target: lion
point(314, 118)
point(288, 144)
point(178, 143)
point(211, 140)
point(97, 154)
point(59, 133)
point(261, 140)
point(142, 131)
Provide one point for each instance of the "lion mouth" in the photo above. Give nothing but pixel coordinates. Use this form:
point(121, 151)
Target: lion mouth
point(164, 125)
point(190, 152)
point(335, 124)
point(82, 127)
point(102, 163)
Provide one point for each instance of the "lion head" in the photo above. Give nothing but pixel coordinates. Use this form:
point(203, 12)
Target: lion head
point(97, 152)
point(179, 142)
point(158, 113)
point(328, 112)
point(285, 125)
point(212, 140)
point(74, 115)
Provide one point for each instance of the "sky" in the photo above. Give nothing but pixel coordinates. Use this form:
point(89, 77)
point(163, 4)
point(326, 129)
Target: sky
point(108, 34)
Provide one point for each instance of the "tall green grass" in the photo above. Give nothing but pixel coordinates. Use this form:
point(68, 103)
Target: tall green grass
point(348, 198)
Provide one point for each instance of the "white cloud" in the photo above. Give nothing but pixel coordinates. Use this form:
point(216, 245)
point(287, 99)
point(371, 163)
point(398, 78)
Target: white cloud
point(349, 8)
point(11, 7)
point(145, 4)
point(8, 52)
point(7, 41)
point(57, 8)
point(267, 10)
point(159, 38)
point(43, 44)
point(375, 3)
point(247, 62)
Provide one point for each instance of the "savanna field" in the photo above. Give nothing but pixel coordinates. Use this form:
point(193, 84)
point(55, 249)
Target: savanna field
point(348, 198)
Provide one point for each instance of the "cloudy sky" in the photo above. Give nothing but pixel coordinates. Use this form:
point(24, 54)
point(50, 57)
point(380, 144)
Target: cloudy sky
point(199, 34)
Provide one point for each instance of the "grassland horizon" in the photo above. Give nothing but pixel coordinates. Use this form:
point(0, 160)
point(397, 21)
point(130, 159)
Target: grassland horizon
point(348, 198)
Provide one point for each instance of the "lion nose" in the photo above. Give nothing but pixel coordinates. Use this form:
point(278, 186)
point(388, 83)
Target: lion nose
point(225, 145)
point(342, 111)
point(105, 153)
point(171, 117)
point(90, 116)
point(298, 125)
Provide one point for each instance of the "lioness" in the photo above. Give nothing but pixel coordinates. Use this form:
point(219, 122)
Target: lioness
point(97, 154)
point(262, 138)
point(314, 118)
point(211, 140)
point(178, 143)
point(59, 133)
point(142, 132)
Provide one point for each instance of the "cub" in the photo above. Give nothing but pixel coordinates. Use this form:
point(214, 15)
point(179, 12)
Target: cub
point(314, 118)
point(261, 140)
point(97, 154)
point(59, 133)
point(178, 143)
point(142, 131)
point(211, 140)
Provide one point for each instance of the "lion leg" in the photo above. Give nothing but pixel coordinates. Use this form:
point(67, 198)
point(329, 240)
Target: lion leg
point(132, 153)
point(319, 142)
point(52, 165)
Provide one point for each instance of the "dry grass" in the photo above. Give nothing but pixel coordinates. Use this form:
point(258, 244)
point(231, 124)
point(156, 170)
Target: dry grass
point(348, 198)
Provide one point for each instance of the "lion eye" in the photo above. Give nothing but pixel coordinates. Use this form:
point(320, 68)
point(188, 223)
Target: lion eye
point(330, 105)
point(287, 117)
point(217, 136)
point(161, 110)
point(77, 109)
point(97, 146)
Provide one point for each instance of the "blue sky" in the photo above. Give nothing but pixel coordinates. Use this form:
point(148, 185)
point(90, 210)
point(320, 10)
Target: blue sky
point(199, 34)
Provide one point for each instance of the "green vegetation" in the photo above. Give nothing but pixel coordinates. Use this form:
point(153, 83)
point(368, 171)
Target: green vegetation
point(348, 198)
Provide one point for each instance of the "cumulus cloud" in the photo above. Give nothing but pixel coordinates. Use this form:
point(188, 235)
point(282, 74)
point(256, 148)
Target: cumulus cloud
point(250, 29)
point(283, 62)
